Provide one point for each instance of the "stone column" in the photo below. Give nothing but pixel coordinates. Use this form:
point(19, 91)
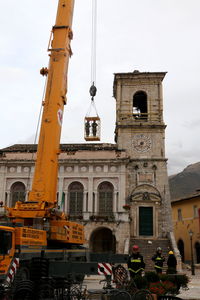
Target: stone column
point(2, 183)
point(86, 214)
point(90, 194)
point(85, 209)
point(115, 202)
point(60, 191)
point(95, 202)
point(66, 201)
point(8, 199)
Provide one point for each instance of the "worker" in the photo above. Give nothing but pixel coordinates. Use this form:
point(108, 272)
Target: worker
point(158, 260)
point(135, 262)
point(171, 263)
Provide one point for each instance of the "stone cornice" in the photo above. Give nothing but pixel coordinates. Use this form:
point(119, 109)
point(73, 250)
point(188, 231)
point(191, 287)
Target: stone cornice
point(67, 160)
point(141, 125)
point(64, 147)
point(138, 77)
point(148, 159)
point(94, 161)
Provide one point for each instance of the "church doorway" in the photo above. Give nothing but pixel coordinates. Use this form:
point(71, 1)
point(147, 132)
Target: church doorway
point(103, 240)
point(145, 221)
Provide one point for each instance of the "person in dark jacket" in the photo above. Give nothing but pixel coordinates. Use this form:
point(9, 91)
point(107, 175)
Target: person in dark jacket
point(158, 260)
point(171, 263)
point(135, 262)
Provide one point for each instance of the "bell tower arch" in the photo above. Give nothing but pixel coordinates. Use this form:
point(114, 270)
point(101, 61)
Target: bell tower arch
point(139, 113)
point(140, 130)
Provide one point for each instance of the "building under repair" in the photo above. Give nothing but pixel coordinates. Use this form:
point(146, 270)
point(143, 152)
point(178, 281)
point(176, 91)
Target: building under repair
point(118, 191)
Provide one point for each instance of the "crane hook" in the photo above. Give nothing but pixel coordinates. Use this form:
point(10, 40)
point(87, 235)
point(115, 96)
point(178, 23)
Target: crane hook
point(93, 91)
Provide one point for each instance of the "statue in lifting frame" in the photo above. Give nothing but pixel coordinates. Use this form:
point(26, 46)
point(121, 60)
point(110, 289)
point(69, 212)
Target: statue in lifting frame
point(87, 128)
point(94, 128)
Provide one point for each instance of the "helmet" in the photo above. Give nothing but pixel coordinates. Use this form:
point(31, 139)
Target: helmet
point(135, 247)
point(171, 252)
point(159, 249)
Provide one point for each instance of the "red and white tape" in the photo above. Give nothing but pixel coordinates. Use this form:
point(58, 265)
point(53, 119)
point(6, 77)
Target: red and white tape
point(104, 269)
point(12, 270)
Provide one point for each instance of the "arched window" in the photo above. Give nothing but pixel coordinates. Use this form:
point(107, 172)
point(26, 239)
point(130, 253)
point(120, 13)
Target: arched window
point(17, 193)
point(75, 199)
point(140, 106)
point(105, 192)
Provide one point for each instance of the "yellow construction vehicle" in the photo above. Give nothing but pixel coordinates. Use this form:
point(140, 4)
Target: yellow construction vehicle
point(39, 246)
point(36, 226)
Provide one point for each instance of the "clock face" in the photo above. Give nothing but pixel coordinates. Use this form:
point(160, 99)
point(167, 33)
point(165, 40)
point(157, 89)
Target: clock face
point(141, 143)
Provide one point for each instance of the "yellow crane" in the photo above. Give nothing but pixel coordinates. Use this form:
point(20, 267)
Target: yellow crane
point(42, 205)
point(39, 247)
point(37, 225)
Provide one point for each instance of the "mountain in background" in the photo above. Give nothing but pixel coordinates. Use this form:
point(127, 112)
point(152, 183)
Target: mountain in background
point(186, 182)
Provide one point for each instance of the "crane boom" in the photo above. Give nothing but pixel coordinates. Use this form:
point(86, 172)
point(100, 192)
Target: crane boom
point(40, 244)
point(44, 184)
point(42, 197)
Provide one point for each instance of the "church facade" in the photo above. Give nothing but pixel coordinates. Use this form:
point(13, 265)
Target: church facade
point(118, 191)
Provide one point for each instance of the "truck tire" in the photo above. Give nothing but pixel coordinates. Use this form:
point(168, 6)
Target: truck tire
point(24, 290)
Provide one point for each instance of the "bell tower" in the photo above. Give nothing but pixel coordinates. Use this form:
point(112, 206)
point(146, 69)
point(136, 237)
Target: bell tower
point(140, 130)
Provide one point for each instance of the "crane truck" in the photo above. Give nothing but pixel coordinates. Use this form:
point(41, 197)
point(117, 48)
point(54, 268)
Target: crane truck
point(38, 243)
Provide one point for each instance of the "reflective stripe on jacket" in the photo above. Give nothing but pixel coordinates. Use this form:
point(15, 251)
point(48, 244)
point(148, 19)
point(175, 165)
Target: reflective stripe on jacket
point(158, 260)
point(136, 260)
point(136, 263)
point(135, 271)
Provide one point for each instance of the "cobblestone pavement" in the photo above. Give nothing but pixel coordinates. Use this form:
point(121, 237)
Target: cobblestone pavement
point(193, 292)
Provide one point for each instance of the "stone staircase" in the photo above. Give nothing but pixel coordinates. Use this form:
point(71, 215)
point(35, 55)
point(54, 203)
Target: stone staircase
point(148, 249)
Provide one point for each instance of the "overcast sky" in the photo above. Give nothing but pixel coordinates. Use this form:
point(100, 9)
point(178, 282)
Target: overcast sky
point(144, 35)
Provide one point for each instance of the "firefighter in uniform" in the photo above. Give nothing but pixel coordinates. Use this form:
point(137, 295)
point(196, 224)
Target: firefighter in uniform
point(171, 263)
point(158, 260)
point(135, 262)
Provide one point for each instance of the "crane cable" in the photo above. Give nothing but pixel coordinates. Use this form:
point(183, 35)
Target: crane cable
point(93, 45)
point(93, 88)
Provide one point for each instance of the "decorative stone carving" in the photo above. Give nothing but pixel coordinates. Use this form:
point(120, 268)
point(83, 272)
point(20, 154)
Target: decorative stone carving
point(145, 193)
point(83, 169)
point(12, 169)
point(113, 169)
point(98, 169)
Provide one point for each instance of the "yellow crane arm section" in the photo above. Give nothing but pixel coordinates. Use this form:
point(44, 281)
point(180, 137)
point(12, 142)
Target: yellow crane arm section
point(44, 184)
